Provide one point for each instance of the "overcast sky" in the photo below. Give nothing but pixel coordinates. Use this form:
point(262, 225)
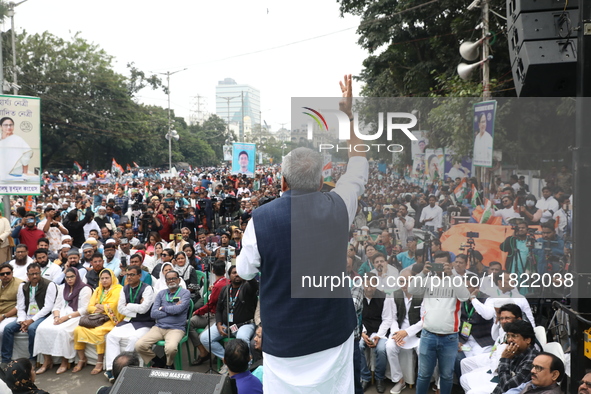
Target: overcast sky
point(208, 38)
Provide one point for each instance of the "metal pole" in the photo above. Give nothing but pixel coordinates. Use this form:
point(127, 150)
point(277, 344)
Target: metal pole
point(5, 198)
point(580, 301)
point(169, 125)
point(485, 53)
point(228, 101)
point(14, 73)
point(242, 110)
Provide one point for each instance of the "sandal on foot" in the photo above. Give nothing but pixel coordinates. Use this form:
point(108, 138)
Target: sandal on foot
point(97, 369)
point(81, 364)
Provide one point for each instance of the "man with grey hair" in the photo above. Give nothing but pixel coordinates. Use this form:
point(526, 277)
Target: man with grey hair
point(305, 233)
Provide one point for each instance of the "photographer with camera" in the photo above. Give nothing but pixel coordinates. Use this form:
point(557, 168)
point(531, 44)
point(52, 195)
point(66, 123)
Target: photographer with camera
point(52, 228)
point(439, 338)
point(148, 222)
point(549, 250)
point(166, 218)
point(518, 248)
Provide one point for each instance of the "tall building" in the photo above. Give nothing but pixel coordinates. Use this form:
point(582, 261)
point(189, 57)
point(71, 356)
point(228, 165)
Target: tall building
point(231, 99)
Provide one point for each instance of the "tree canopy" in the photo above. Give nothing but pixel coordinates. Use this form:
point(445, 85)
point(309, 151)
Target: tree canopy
point(90, 114)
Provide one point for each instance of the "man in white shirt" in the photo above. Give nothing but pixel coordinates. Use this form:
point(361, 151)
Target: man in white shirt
point(20, 262)
point(547, 204)
point(53, 229)
point(404, 329)
point(49, 271)
point(385, 273)
point(508, 211)
point(34, 302)
point(404, 224)
point(432, 215)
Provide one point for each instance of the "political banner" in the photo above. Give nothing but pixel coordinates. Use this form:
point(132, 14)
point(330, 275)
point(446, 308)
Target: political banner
point(20, 145)
point(484, 131)
point(243, 158)
point(227, 149)
point(434, 164)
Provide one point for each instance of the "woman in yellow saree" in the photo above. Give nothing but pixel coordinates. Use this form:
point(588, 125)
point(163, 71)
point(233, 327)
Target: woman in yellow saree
point(103, 301)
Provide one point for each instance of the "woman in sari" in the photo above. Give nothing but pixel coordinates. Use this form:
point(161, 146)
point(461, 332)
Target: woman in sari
point(151, 261)
point(56, 336)
point(103, 301)
point(16, 153)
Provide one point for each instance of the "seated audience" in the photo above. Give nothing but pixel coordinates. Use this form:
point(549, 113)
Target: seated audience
point(104, 301)
point(135, 302)
point(170, 312)
point(55, 336)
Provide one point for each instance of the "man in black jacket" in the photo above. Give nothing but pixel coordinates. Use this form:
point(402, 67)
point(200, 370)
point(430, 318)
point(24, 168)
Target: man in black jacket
point(475, 337)
point(376, 319)
point(234, 313)
point(74, 226)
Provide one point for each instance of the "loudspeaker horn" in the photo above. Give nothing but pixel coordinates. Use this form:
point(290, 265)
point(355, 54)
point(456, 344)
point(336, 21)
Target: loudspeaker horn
point(470, 50)
point(464, 70)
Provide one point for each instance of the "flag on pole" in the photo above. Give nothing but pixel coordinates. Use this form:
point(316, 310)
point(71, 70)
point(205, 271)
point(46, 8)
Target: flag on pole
point(475, 197)
point(461, 190)
point(114, 166)
point(77, 166)
point(128, 168)
point(327, 168)
point(135, 165)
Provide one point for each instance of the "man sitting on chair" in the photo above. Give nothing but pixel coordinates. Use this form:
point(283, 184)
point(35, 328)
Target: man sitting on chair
point(170, 311)
point(135, 302)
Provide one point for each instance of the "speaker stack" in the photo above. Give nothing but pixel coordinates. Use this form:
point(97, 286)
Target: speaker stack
point(543, 46)
point(164, 381)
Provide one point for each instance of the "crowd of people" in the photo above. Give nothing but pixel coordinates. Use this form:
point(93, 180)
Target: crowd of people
point(122, 265)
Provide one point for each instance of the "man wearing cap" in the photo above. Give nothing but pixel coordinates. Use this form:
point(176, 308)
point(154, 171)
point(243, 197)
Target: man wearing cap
point(125, 249)
point(111, 261)
point(67, 239)
point(103, 220)
point(86, 258)
point(28, 234)
point(52, 228)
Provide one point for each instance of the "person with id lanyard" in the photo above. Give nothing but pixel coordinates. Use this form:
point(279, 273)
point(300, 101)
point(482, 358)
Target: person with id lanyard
point(170, 312)
point(135, 302)
point(234, 313)
point(475, 330)
point(34, 302)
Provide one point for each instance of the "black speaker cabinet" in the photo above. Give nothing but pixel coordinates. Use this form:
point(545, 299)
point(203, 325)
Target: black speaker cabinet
point(545, 68)
point(535, 26)
point(134, 380)
point(515, 7)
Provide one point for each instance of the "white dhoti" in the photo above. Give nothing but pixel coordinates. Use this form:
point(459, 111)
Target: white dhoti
point(113, 341)
point(325, 372)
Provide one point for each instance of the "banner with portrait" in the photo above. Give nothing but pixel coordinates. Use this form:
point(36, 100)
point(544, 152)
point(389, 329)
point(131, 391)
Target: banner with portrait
point(484, 131)
point(457, 168)
point(227, 149)
point(243, 158)
point(434, 164)
point(20, 145)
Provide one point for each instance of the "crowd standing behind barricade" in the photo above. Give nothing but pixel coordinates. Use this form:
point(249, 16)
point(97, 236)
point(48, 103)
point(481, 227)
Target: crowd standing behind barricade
point(136, 251)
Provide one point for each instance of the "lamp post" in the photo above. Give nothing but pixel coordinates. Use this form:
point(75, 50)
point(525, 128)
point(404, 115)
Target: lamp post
point(171, 133)
point(10, 13)
point(228, 101)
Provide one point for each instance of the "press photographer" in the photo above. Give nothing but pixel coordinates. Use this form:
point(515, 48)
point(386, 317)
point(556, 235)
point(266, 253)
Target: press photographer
point(549, 249)
point(148, 222)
